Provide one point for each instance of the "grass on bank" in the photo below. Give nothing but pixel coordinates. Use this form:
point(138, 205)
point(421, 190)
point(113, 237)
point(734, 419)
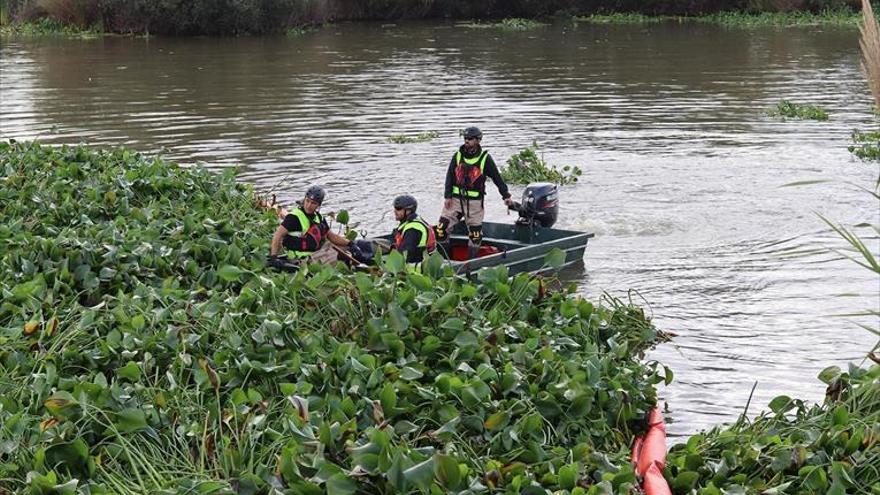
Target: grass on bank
point(47, 27)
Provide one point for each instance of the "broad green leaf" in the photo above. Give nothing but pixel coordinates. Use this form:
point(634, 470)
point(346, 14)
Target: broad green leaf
point(781, 404)
point(410, 374)
point(229, 273)
point(840, 416)
point(685, 481)
point(130, 420)
point(829, 374)
point(394, 262)
point(568, 476)
point(497, 420)
point(421, 475)
point(131, 372)
point(555, 258)
point(340, 484)
point(397, 318)
point(447, 472)
point(453, 324)
point(388, 398)
point(59, 403)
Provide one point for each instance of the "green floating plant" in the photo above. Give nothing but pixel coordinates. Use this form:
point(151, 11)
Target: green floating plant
point(145, 347)
point(866, 145)
point(527, 166)
point(421, 137)
point(788, 109)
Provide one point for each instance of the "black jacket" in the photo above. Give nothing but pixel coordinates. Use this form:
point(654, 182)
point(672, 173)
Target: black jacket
point(490, 171)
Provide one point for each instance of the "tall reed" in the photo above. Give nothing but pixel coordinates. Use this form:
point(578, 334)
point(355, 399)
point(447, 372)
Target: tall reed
point(870, 44)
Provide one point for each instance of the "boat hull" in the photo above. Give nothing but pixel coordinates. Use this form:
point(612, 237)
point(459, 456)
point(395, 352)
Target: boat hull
point(522, 247)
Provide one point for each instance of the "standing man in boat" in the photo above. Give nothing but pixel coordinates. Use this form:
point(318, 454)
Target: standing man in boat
point(465, 189)
point(305, 233)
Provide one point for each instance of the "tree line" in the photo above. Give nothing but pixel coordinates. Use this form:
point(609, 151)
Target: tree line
point(224, 17)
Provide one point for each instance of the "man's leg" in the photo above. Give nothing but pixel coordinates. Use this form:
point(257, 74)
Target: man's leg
point(326, 255)
point(474, 220)
point(449, 217)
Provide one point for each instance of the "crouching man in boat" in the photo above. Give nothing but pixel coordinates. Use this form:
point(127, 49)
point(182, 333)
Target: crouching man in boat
point(466, 187)
point(304, 233)
point(412, 237)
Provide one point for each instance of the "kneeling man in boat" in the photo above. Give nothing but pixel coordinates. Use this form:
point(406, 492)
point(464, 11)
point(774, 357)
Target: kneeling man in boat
point(304, 233)
point(412, 237)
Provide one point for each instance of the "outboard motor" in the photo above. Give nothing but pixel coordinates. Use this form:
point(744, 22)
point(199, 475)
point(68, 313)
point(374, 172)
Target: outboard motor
point(540, 205)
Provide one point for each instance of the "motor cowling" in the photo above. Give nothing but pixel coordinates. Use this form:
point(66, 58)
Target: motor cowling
point(540, 205)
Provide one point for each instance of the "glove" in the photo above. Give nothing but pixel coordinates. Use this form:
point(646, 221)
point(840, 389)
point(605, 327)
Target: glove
point(275, 261)
point(355, 251)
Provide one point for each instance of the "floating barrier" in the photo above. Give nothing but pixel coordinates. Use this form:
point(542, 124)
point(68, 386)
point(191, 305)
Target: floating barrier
point(649, 455)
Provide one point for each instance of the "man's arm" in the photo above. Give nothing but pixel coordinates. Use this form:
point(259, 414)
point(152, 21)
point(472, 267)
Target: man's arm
point(450, 179)
point(492, 173)
point(338, 239)
point(277, 240)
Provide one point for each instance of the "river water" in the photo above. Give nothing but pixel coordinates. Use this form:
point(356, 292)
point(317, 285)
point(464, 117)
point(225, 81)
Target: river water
point(683, 171)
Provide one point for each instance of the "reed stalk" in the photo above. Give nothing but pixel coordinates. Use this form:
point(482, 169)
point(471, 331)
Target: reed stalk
point(870, 44)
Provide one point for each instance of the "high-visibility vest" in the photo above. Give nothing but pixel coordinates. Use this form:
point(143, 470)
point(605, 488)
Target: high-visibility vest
point(427, 240)
point(305, 224)
point(469, 175)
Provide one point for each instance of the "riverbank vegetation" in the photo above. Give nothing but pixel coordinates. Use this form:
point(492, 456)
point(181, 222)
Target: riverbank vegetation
point(510, 23)
point(795, 447)
point(146, 348)
point(48, 27)
point(278, 16)
point(787, 109)
point(741, 19)
point(527, 166)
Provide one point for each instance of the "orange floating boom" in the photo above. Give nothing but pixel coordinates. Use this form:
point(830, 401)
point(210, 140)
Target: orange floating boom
point(649, 455)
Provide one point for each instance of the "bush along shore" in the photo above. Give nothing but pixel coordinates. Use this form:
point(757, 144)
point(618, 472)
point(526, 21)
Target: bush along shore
point(145, 348)
point(210, 17)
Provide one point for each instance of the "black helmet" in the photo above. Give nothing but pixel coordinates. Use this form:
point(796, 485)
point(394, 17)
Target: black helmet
point(316, 194)
point(473, 132)
point(405, 202)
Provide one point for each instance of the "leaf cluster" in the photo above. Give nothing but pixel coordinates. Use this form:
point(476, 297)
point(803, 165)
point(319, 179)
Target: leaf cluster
point(793, 448)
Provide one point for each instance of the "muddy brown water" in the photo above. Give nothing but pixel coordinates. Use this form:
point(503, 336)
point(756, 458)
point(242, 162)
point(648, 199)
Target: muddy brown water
point(683, 172)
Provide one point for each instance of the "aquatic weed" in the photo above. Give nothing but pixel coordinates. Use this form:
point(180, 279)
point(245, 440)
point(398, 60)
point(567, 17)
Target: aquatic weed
point(866, 145)
point(788, 109)
point(418, 138)
point(145, 347)
point(794, 447)
point(527, 166)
